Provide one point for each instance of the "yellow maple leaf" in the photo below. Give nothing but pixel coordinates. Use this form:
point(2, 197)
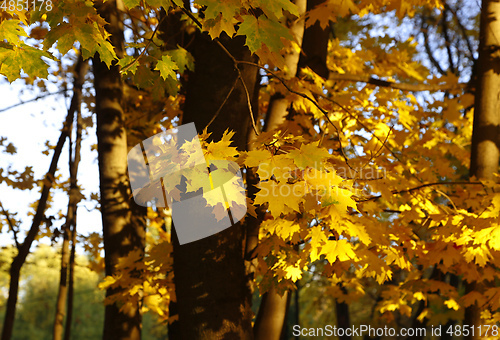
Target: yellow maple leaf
point(279, 195)
point(293, 273)
point(221, 149)
point(309, 155)
point(340, 249)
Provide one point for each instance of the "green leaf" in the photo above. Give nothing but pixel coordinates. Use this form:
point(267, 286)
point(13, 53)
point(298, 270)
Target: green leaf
point(89, 36)
point(126, 61)
point(64, 35)
point(26, 58)
point(131, 3)
point(182, 58)
point(263, 31)
point(167, 67)
point(10, 30)
point(274, 9)
point(225, 7)
point(92, 42)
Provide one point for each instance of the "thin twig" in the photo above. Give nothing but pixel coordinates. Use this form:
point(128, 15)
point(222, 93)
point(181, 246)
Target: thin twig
point(397, 192)
point(249, 104)
point(380, 150)
point(223, 102)
point(150, 40)
point(423, 28)
point(462, 30)
point(368, 79)
point(11, 225)
point(31, 100)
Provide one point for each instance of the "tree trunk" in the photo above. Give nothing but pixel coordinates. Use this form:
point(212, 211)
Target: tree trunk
point(485, 153)
point(343, 317)
point(120, 234)
point(213, 297)
point(74, 159)
point(271, 316)
point(71, 278)
point(71, 286)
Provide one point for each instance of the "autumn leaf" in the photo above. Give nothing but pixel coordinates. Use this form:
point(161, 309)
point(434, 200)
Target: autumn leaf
point(264, 37)
point(167, 67)
point(309, 155)
point(341, 250)
point(182, 58)
point(279, 195)
point(11, 31)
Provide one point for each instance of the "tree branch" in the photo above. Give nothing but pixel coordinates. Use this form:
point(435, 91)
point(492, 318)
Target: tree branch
point(397, 192)
point(462, 30)
point(11, 225)
point(31, 100)
point(424, 30)
point(447, 39)
point(399, 86)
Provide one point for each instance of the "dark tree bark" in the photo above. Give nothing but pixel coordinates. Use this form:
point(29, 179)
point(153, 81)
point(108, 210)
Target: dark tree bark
point(343, 317)
point(121, 232)
point(213, 297)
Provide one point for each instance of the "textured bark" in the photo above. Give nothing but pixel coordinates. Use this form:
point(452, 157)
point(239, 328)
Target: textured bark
point(315, 45)
point(278, 105)
point(74, 160)
point(271, 316)
point(485, 142)
point(24, 248)
point(121, 234)
point(213, 297)
point(485, 153)
point(71, 278)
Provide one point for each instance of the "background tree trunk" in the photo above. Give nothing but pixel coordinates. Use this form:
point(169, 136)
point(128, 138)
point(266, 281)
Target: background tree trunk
point(485, 154)
point(120, 234)
point(74, 160)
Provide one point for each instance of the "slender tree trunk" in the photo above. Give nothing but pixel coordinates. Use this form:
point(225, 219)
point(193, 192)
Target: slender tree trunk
point(485, 154)
point(343, 318)
point(71, 286)
point(71, 278)
point(74, 159)
point(120, 234)
point(24, 248)
point(272, 311)
point(213, 297)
